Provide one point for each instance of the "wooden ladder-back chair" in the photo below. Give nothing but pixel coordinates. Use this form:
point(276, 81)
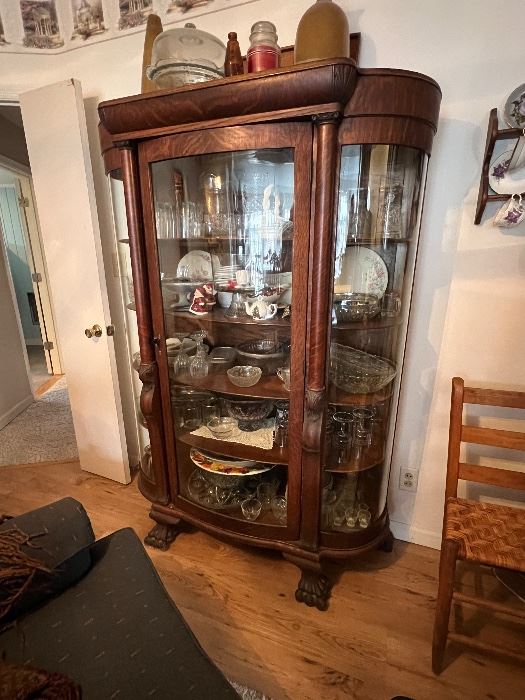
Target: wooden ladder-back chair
point(486, 533)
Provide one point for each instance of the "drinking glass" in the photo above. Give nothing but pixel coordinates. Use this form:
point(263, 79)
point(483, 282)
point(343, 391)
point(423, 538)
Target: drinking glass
point(190, 223)
point(265, 493)
point(199, 364)
point(363, 517)
point(191, 417)
point(281, 424)
point(390, 210)
point(279, 507)
point(344, 435)
point(251, 508)
point(390, 304)
point(197, 485)
point(210, 409)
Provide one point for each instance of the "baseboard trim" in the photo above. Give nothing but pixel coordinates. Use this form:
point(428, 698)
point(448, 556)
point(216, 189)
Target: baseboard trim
point(8, 416)
point(416, 535)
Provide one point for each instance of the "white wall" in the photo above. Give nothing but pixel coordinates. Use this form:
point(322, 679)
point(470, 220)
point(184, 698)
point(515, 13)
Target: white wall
point(469, 281)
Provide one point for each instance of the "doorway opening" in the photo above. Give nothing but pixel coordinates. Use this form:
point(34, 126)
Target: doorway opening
point(34, 403)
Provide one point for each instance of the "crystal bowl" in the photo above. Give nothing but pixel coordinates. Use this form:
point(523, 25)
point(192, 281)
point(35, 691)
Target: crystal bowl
point(354, 306)
point(222, 428)
point(358, 372)
point(249, 412)
point(244, 375)
point(264, 353)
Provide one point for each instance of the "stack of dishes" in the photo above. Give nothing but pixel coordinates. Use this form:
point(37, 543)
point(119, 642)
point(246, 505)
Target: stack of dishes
point(224, 273)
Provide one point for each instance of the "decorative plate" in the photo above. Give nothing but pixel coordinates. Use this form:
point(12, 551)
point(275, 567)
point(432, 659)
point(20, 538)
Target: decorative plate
point(505, 181)
point(223, 466)
point(196, 265)
point(362, 270)
point(514, 110)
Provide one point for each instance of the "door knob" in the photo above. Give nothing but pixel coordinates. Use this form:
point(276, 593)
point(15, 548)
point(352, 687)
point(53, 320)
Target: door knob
point(95, 331)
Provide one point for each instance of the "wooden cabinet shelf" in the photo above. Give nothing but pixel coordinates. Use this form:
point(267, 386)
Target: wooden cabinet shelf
point(218, 316)
point(372, 457)
point(338, 397)
point(373, 324)
point(266, 388)
point(235, 449)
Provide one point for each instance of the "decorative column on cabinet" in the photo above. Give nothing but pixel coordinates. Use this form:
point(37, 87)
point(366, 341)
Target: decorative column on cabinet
point(292, 190)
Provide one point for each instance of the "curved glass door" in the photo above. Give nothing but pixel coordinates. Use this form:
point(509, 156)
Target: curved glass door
point(224, 227)
point(379, 205)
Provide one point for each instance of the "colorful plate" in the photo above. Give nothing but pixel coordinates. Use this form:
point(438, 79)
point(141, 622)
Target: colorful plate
point(223, 466)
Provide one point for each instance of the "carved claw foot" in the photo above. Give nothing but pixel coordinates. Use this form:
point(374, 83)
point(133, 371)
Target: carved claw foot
point(387, 545)
point(313, 590)
point(161, 536)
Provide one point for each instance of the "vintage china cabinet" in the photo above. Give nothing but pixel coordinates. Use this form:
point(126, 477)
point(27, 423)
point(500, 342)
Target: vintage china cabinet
point(302, 186)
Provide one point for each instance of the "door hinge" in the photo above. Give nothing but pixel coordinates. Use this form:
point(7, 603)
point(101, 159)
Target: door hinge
point(36, 277)
point(23, 201)
point(48, 345)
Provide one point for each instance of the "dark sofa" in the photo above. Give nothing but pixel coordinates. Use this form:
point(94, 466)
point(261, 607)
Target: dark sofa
point(103, 617)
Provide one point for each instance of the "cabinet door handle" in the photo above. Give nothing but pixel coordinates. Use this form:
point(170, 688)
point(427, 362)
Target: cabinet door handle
point(95, 331)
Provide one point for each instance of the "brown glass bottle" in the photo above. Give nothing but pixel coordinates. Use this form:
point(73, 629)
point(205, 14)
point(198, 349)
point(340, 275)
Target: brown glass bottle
point(233, 64)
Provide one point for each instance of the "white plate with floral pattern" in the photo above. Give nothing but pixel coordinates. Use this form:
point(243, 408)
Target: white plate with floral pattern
point(196, 265)
point(505, 181)
point(363, 271)
point(514, 110)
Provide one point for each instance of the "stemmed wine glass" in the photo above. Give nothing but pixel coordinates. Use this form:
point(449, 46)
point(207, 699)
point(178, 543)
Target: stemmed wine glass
point(181, 363)
point(199, 365)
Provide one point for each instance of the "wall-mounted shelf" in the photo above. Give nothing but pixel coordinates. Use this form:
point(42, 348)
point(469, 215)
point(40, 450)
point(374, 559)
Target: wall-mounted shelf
point(494, 133)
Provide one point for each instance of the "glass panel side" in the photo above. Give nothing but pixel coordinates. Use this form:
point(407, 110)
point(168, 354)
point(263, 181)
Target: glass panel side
point(224, 225)
point(379, 207)
point(127, 288)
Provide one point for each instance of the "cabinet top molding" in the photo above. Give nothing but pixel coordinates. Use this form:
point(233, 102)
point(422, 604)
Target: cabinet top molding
point(294, 92)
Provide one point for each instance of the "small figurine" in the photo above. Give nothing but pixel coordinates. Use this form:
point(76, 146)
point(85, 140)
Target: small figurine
point(203, 300)
point(287, 311)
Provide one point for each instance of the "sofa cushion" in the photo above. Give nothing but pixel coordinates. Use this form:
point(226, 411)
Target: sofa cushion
point(117, 633)
point(59, 536)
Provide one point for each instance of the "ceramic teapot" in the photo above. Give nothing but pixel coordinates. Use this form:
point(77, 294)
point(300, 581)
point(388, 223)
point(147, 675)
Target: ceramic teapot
point(260, 309)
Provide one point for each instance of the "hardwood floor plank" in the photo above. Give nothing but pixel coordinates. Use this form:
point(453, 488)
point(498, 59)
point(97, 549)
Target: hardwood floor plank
point(372, 644)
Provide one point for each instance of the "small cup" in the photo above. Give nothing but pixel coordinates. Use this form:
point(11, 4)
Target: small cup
point(390, 304)
point(241, 277)
point(363, 518)
point(251, 508)
point(284, 375)
point(511, 214)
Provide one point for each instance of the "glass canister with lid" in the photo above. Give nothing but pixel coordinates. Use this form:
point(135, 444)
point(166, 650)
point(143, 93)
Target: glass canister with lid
point(264, 52)
point(185, 55)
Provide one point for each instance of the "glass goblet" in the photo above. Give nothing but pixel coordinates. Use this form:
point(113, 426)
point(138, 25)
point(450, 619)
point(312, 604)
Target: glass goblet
point(251, 508)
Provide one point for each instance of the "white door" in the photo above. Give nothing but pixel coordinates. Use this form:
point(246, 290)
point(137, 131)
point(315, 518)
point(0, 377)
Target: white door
point(35, 259)
point(57, 143)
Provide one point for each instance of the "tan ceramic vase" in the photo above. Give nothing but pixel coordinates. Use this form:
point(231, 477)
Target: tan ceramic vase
point(323, 32)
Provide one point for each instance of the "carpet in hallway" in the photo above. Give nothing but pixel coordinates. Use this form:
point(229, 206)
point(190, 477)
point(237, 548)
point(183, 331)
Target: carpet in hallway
point(43, 432)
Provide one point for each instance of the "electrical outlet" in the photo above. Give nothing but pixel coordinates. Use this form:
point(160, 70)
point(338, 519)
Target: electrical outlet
point(408, 479)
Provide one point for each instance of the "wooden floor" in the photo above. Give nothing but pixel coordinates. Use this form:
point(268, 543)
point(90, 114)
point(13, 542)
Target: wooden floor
point(372, 644)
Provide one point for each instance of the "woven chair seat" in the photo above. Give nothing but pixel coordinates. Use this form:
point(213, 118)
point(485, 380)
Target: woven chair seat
point(487, 533)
